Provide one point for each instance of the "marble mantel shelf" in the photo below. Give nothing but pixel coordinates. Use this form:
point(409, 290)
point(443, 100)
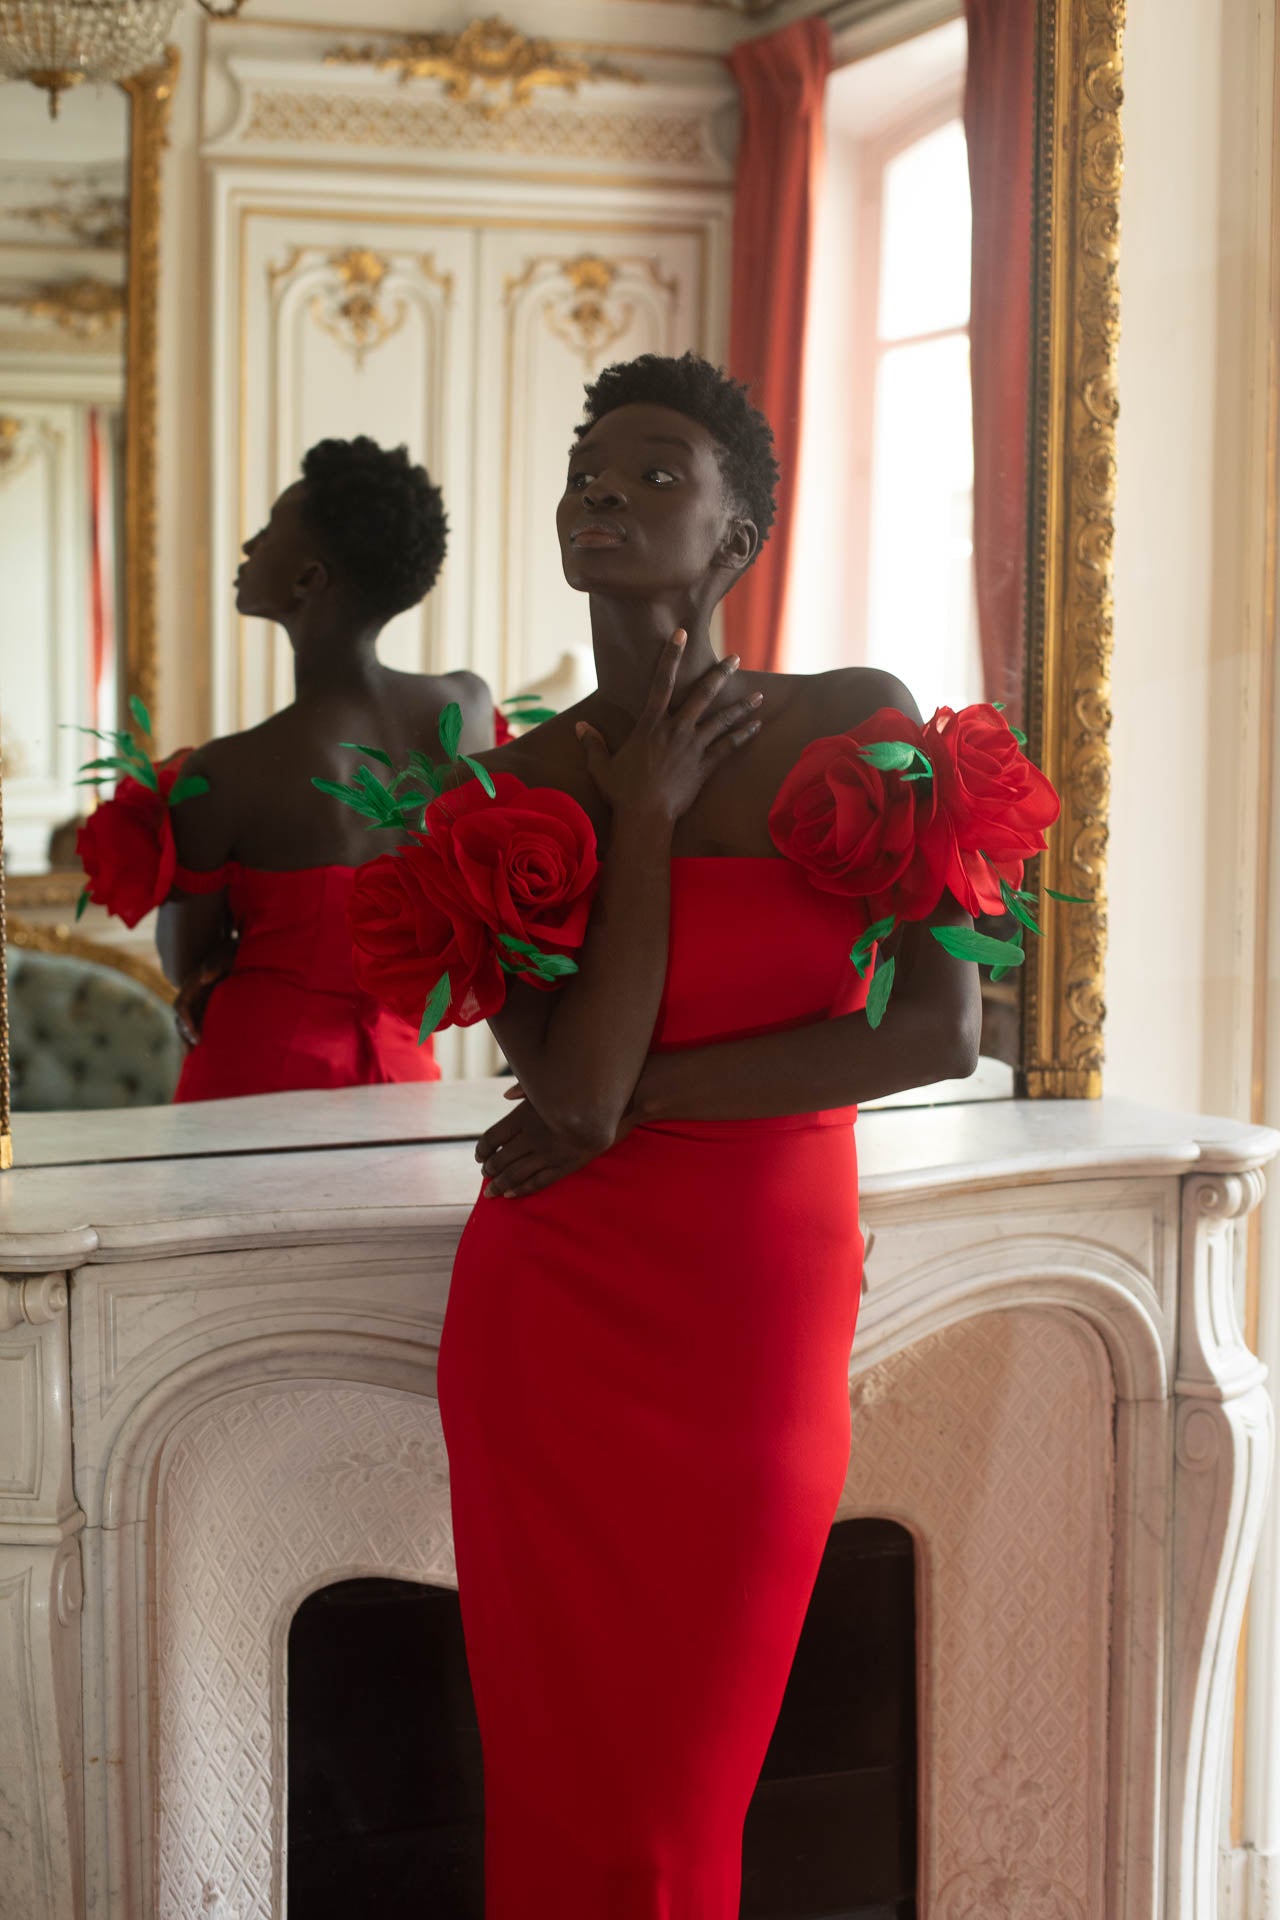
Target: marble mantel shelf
point(92, 1188)
point(218, 1334)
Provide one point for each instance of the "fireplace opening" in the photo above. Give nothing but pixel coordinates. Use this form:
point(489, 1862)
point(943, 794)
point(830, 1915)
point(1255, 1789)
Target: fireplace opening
point(386, 1802)
point(832, 1829)
point(386, 1811)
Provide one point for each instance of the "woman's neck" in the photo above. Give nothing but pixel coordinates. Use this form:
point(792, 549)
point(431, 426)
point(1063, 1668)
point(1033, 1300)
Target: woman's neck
point(627, 638)
point(334, 661)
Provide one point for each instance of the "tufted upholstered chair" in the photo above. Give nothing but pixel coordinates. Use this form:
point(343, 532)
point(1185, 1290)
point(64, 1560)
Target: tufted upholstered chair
point(86, 1033)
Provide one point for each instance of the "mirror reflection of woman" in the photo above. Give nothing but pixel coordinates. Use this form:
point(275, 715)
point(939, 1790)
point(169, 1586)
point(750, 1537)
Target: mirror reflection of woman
point(256, 939)
point(644, 1367)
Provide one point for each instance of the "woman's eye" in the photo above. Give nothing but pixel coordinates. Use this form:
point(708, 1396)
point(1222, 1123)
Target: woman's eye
point(577, 481)
point(661, 477)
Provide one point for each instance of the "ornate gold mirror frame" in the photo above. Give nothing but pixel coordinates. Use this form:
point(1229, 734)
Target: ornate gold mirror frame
point(149, 96)
point(1072, 500)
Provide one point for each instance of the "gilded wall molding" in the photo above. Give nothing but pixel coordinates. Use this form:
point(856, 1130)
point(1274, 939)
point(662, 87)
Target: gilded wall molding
point(149, 95)
point(490, 67)
point(1079, 168)
point(396, 122)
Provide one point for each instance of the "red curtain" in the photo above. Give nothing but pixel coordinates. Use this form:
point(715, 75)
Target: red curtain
point(999, 118)
point(782, 79)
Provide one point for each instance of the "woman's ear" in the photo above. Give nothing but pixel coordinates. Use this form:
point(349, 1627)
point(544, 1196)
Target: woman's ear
point(312, 579)
point(740, 545)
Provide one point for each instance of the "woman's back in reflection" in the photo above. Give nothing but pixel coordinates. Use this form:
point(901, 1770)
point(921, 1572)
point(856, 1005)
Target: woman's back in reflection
point(255, 936)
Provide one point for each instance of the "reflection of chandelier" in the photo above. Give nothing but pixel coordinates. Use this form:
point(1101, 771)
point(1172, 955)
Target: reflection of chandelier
point(55, 44)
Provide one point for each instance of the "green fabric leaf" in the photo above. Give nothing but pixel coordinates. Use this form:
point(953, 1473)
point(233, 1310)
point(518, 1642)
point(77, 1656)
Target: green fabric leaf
point(894, 756)
point(426, 770)
point(998, 705)
point(374, 753)
point(482, 775)
point(349, 796)
point(451, 730)
point(123, 767)
point(82, 902)
point(861, 953)
point(999, 973)
point(146, 773)
point(1013, 902)
point(878, 993)
point(533, 716)
point(436, 1008)
point(522, 700)
point(967, 944)
point(1018, 734)
point(190, 785)
point(1071, 899)
point(140, 714)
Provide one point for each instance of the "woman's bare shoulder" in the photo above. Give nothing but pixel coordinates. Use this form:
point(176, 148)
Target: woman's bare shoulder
point(847, 696)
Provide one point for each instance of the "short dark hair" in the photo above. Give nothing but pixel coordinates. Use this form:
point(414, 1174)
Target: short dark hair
point(379, 518)
point(721, 404)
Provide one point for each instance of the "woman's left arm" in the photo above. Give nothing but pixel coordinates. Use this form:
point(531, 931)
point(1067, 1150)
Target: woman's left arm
point(195, 935)
point(930, 1031)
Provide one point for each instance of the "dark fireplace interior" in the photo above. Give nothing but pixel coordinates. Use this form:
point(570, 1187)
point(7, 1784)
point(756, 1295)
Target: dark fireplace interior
point(386, 1806)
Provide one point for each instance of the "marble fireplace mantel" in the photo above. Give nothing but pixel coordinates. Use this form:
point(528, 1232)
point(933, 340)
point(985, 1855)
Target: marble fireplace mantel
point(217, 1338)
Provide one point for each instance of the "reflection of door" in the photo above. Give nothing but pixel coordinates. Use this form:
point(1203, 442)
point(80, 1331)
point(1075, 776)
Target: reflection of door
point(44, 563)
point(352, 324)
point(470, 336)
point(555, 307)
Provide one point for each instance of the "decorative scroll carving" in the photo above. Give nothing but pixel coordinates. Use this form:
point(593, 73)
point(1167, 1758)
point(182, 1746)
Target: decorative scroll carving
point(488, 58)
point(84, 307)
point(35, 1302)
point(99, 220)
point(351, 311)
point(1073, 492)
point(150, 95)
point(583, 310)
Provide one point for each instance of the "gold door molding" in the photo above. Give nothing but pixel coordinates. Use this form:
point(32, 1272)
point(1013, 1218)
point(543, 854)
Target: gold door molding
point(1073, 488)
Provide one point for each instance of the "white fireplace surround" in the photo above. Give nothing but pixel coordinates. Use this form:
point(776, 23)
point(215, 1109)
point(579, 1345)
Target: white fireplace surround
point(1049, 1390)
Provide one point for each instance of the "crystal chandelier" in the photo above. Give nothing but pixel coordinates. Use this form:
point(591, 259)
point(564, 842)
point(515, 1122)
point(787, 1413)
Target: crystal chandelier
point(55, 44)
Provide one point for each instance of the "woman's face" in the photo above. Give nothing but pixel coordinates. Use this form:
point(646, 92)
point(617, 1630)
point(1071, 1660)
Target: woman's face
point(644, 509)
point(276, 561)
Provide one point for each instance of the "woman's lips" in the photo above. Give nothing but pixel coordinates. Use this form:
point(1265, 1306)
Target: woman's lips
point(598, 536)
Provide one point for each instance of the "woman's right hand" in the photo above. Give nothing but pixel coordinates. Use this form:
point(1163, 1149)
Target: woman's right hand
point(193, 995)
point(668, 757)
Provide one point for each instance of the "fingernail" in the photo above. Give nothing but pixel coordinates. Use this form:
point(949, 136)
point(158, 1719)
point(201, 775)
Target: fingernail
point(580, 728)
point(679, 636)
point(757, 699)
point(735, 661)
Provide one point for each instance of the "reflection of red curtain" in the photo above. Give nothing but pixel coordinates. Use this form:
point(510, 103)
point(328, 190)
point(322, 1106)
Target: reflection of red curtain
point(999, 118)
point(782, 79)
point(102, 635)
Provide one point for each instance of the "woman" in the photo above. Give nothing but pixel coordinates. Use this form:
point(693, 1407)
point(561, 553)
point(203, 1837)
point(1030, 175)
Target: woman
point(256, 937)
point(644, 1367)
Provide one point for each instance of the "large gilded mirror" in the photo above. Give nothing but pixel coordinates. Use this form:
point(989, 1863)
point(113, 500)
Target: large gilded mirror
point(385, 256)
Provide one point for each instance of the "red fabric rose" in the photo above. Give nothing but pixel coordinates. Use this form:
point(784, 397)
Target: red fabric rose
point(522, 864)
point(126, 845)
point(992, 801)
point(501, 728)
point(859, 831)
point(408, 927)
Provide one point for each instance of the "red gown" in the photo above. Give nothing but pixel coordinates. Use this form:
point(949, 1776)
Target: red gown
point(290, 1015)
point(644, 1385)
